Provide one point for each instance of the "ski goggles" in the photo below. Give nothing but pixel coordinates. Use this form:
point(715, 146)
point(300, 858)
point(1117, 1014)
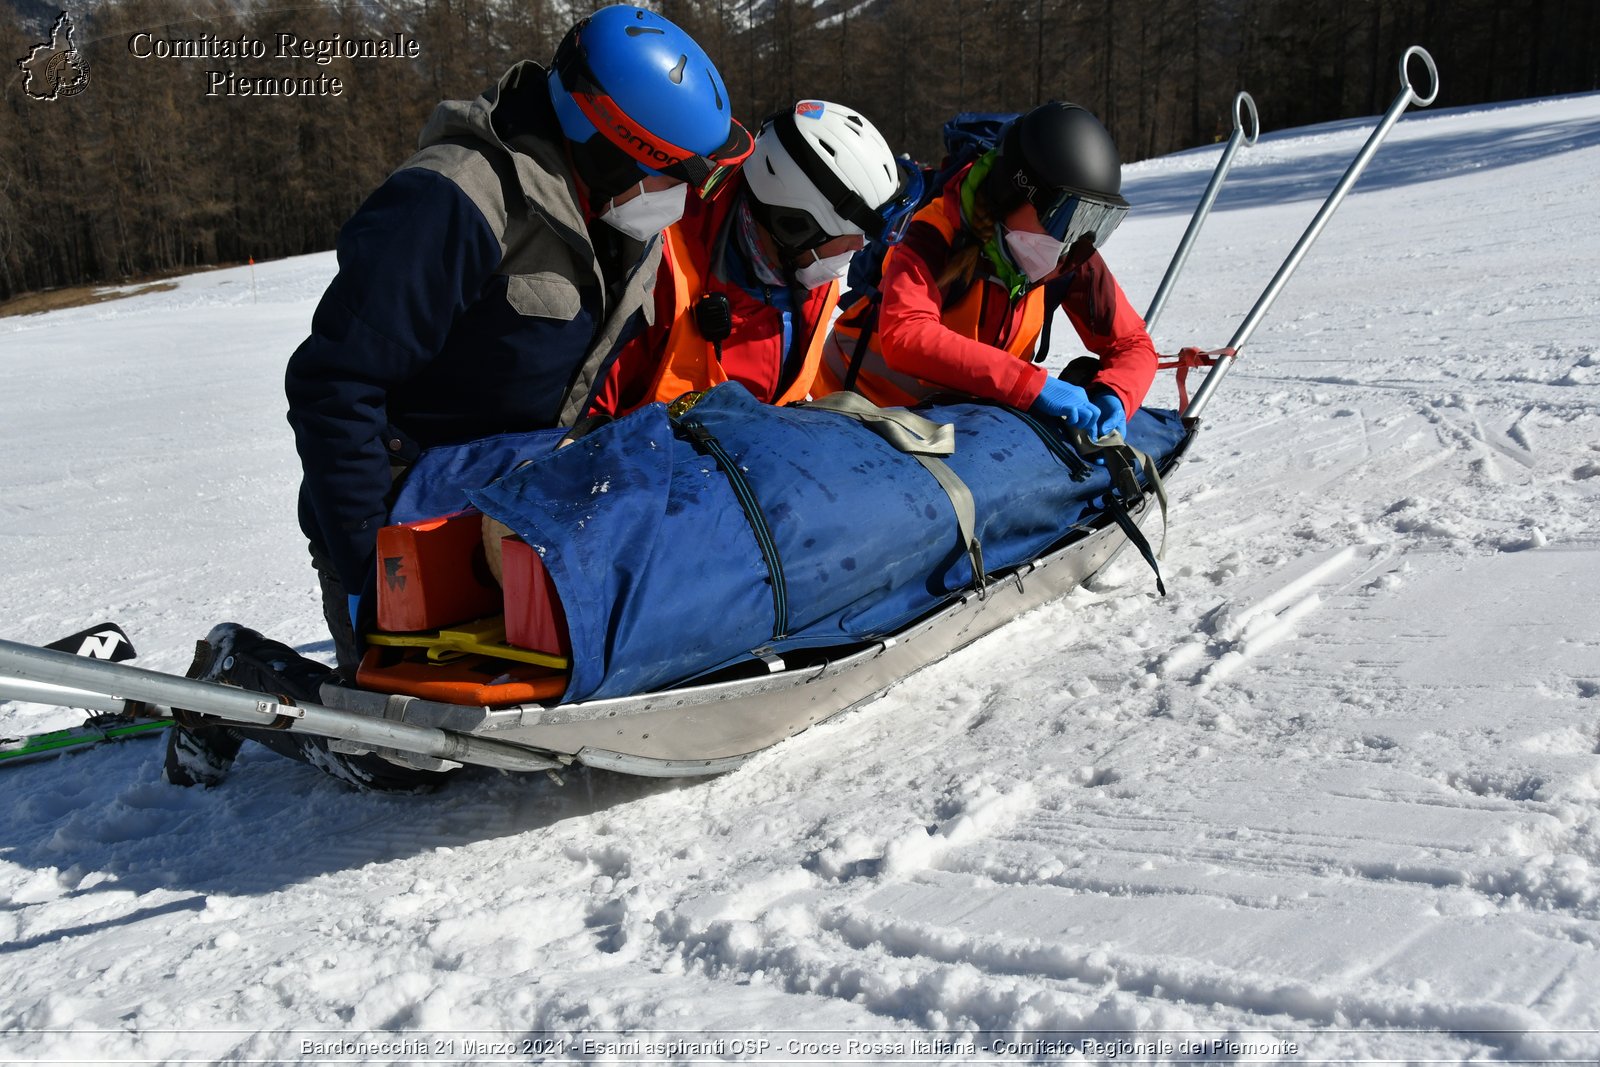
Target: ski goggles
point(706, 174)
point(897, 213)
point(1069, 215)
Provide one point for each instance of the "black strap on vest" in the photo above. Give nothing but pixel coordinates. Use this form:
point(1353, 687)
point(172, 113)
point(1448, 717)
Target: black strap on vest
point(1055, 291)
point(858, 354)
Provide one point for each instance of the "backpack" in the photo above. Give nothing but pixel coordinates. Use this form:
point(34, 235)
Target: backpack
point(966, 137)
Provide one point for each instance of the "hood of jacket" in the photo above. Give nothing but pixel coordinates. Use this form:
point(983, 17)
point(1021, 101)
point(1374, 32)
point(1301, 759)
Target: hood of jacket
point(515, 116)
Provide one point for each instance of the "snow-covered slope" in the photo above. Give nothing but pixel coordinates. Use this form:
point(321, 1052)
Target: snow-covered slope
point(1338, 793)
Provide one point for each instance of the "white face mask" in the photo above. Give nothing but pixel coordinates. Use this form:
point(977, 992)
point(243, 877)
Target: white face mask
point(648, 213)
point(820, 272)
point(1036, 254)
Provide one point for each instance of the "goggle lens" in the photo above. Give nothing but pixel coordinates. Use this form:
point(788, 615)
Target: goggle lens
point(1075, 216)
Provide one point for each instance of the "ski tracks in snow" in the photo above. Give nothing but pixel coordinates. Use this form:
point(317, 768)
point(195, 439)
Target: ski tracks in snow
point(1149, 874)
point(1238, 636)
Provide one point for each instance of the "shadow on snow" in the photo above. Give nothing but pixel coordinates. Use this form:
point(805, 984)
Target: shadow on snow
point(1397, 163)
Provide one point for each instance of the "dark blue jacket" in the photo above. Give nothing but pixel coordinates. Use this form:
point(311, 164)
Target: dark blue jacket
point(471, 300)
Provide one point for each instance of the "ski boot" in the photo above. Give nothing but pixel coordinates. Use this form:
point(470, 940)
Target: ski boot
point(200, 750)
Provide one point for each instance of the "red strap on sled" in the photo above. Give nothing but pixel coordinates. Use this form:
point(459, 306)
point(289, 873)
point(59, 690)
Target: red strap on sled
point(1192, 357)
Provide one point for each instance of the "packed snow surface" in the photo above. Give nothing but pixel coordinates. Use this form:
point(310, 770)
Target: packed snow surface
point(1336, 796)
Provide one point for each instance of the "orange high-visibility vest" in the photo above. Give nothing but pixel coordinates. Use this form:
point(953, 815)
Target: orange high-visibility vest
point(688, 363)
point(887, 387)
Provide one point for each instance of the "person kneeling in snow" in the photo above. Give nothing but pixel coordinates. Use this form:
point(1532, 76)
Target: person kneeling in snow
point(481, 290)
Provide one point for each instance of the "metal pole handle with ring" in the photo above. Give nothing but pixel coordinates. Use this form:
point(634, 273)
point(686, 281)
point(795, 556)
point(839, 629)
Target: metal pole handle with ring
point(1241, 104)
point(1407, 96)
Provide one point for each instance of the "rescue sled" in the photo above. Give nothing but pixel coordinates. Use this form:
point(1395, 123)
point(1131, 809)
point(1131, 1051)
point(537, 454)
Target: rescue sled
point(716, 719)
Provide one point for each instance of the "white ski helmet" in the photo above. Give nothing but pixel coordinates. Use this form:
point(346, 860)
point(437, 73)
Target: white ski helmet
point(820, 170)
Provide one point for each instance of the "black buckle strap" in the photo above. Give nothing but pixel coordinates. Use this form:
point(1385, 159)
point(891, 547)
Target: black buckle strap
point(1120, 459)
point(858, 354)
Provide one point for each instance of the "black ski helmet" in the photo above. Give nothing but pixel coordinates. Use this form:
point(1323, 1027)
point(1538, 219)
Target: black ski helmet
point(1056, 146)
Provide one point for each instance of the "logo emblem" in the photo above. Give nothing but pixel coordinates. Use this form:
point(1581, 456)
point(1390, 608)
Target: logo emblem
point(102, 645)
point(809, 109)
point(55, 69)
point(105, 641)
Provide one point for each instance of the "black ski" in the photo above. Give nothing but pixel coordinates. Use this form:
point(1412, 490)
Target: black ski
point(105, 641)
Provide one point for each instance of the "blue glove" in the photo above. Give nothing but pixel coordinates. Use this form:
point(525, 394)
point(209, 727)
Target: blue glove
point(353, 602)
point(1112, 418)
point(1066, 401)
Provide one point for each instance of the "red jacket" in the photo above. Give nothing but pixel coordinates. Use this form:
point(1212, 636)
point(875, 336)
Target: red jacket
point(672, 357)
point(974, 338)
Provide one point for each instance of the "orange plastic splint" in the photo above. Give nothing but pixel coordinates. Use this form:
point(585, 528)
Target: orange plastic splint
point(478, 681)
point(434, 573)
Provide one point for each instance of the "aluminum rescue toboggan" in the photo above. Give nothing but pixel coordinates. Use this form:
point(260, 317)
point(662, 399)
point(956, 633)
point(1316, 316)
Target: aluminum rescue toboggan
point(710, 727)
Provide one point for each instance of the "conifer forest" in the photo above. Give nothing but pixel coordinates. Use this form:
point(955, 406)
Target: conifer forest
point(206, 132)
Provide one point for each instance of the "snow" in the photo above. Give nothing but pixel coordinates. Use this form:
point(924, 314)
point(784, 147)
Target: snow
point(1336, 797)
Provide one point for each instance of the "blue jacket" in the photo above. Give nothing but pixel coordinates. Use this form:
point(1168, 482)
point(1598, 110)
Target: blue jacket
point(472, 299)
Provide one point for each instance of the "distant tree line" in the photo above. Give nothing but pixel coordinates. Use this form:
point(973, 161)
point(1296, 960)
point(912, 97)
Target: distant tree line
point(144, 173)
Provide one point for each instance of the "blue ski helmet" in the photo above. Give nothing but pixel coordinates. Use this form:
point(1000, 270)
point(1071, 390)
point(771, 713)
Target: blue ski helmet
point(646, 87)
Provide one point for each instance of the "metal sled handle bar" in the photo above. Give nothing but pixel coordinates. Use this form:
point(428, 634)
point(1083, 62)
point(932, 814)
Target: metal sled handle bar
point(1241, 103)
point(259, 709)
point(1407, 96)
point(45, 693)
